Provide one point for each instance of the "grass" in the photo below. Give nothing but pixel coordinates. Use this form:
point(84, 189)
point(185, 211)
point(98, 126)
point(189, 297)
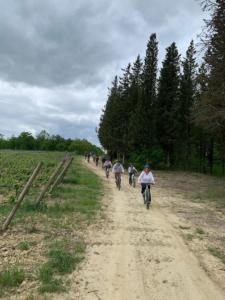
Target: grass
point(217, 253)
point(214, 195)
point(53, 286)
point(199, 230)
point(11, 277)
point(24, 245)
point(73, 205)
point(62, 259)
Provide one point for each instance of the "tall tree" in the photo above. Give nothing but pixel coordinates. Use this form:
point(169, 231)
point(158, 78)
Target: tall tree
point(143, 134)
point(168, 103)
point(187, 99)
point(213, 100)
point(211, 109)
point(106, 132)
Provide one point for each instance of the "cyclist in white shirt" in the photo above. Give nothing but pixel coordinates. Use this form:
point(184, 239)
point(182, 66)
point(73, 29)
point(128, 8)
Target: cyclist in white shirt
point(117, 169)
point(146, 178)
point(107, 164)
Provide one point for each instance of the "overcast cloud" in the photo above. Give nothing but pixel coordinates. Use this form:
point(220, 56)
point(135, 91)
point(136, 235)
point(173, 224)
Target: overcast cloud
point(57, 57)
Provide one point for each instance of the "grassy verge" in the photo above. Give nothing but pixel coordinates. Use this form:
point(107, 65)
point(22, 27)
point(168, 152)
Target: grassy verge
point(214, 195)
point(36, 235)
point(217, 253)
point(10, 277)
point(63, 257)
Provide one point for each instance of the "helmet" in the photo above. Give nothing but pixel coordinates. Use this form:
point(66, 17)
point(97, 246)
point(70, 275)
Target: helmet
point(147, 166)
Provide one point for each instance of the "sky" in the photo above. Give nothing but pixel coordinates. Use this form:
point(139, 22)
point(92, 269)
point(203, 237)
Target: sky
point(58, 58)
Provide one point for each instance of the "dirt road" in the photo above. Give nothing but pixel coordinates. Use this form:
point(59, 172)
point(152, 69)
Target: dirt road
point(140, 254)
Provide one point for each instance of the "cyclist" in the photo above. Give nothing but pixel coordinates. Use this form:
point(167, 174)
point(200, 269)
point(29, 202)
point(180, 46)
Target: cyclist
point(103, 161)
point(117, 170)
point(107, 165)
point(88, 157)
point(85, 155)
point(96, 160)
point(146, 178)
point(131, 170)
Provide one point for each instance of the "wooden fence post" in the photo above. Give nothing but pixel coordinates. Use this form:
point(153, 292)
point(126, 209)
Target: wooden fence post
point(21, 196)
point(62, 174)
point(50, 182)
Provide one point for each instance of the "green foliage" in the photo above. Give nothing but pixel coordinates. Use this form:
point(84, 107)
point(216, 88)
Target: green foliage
point(167, 103)
point(199, 230)
point(24, 245)
point(63, 259)
point(177, 123)
point(63, 256)
point(11, 277)
point(52, 286)
point(82, 146)
point(217, 253)
point(45, 274)
point(44, 141)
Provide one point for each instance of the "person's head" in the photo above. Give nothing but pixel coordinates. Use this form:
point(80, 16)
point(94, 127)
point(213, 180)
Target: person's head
point(131, 165)
point(147, 168)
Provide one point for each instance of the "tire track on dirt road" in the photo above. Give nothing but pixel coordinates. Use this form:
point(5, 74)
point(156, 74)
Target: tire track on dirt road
point(139, 254)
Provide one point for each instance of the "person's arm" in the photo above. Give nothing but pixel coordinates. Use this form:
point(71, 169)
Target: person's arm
point(152, 179)
point(122, 168)
point(140, 177)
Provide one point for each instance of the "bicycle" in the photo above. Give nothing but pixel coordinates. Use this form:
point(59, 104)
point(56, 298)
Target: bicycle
point(133, 180)
point(118, 180)
point(147, 196)
point(107, 172)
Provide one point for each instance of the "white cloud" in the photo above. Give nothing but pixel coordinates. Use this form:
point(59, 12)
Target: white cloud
point(57, 58)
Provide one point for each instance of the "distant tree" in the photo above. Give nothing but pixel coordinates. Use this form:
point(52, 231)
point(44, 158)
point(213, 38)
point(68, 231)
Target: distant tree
point(42, 140)
point(26, 141)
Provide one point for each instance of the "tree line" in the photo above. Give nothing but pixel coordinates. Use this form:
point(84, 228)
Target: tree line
point(46, 142)
point(173, 117)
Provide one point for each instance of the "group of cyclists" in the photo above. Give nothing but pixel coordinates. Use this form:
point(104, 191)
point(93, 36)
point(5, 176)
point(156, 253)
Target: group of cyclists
point(94, 157)
point(145, 179)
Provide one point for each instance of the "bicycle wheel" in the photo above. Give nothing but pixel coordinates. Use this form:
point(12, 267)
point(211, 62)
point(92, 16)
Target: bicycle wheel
point(146, 196)
point(107, 173)
point(133, 181)
point(149, 199)
point(119, 183)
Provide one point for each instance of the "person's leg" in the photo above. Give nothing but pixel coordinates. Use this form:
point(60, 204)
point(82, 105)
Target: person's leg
point(143, 187)
point(130, 178)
